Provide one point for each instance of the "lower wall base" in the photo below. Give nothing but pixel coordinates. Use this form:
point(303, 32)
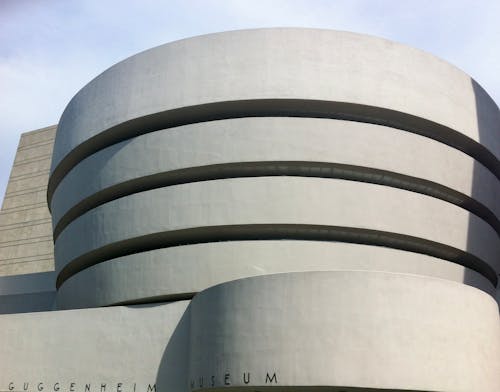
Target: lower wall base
point(119, 349)
point(347, 331)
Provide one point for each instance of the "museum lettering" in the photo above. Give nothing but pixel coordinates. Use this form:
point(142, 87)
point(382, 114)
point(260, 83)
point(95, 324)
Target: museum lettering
point(78, 387)
point(225, 379)
point(228, 378)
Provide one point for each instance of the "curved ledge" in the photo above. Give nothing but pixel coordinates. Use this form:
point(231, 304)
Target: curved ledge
point(281, 200)
point(166, 272)
point(278, 168)
point(273, 139)
point(275, 232)
point(314, 328)
point(272, 108)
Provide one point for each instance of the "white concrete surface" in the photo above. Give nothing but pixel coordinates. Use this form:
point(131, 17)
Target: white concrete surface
point(351, 329)
point(276, 139)
point(119, 349)
point(276, 200)
point(334, 329)
point(166, 273)
point(286, 63)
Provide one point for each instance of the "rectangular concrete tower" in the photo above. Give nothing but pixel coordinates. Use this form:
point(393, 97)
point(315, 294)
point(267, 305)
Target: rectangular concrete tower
point(25, 230)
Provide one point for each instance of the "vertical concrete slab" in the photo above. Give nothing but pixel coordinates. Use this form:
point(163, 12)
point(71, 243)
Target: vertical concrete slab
point(25, 230)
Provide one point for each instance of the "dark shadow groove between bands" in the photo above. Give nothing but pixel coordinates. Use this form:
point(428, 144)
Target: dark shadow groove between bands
point(207, 234)
point(272, 108)
point(278, 168)
point(154, 300)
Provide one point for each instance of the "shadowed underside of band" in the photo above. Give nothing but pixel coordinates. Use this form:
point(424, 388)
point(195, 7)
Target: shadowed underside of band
point(275, 232)
point(272, 108)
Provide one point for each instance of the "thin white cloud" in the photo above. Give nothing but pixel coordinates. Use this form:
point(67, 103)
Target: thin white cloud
point(51, 48)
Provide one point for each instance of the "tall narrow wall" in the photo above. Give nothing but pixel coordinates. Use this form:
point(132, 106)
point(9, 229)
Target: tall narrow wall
point(25, 231)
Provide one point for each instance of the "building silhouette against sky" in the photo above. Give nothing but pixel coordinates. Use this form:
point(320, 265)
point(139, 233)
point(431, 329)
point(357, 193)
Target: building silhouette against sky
point(285, 208)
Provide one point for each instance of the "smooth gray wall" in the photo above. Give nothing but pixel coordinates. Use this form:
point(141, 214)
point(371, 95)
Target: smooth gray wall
point(304, 64)
point(352, 329)
point(168, 272)
point(179, 144)
point(342, 329)
point(27, 292)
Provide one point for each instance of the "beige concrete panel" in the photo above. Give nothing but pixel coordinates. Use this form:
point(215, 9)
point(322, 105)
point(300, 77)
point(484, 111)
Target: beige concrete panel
point(26, 191)
point(40, 167)
point(38, 136)
point(25, 214)
point(26, 248)
point(24, 183)
point(25, 199)
point(350, 329)
point(23, 207)
point(285, 200)
point(27, 255)
point(119, 349)
point(23, 240)
point(167, 273)
point(25, 230)
point(275, 139)
point(34, 153)
point(28, 265)
point(282, 63)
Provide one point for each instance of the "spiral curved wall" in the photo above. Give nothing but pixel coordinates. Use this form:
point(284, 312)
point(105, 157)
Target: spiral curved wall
point(363, 172)
point(344, 143)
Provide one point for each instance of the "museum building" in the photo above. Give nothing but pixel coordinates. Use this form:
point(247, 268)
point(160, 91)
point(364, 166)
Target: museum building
point(286, 209)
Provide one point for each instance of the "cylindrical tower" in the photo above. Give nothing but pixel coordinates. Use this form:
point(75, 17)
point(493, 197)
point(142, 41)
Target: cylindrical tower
point(251, 153)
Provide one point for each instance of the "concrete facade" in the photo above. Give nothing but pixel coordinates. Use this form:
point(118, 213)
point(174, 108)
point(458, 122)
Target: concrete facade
point(26, 237)
point(27, 276)
point(286, 208)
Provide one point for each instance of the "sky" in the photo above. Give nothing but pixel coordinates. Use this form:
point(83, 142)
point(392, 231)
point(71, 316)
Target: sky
point(49, 49)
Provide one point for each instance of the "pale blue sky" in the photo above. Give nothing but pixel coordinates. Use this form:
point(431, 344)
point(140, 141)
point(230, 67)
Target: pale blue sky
point(49, 49)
